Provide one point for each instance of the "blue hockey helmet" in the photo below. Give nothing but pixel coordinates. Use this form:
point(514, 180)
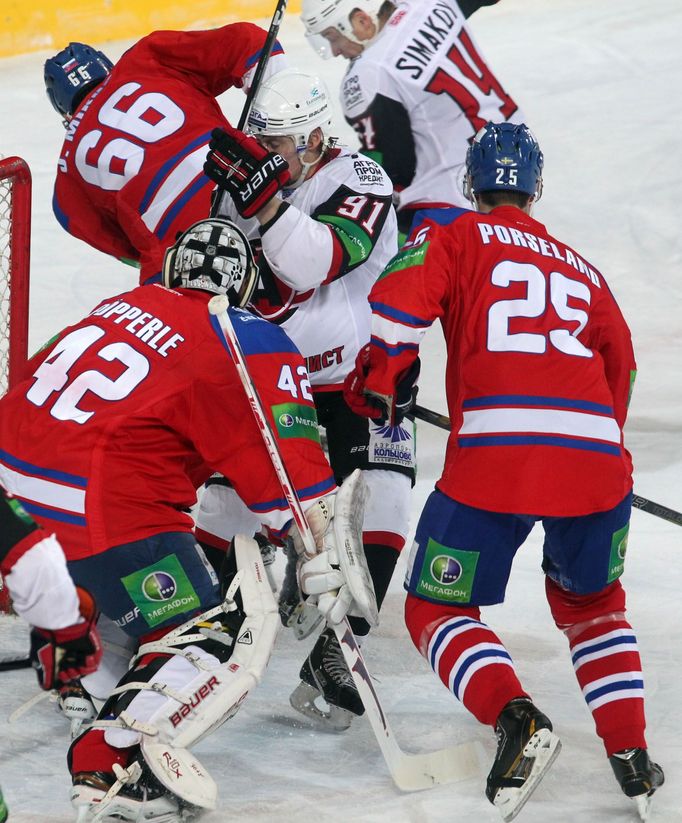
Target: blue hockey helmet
point(504, 157)
point(71, 73)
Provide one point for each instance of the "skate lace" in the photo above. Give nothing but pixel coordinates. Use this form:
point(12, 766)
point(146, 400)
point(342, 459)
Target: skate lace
point(335, 666)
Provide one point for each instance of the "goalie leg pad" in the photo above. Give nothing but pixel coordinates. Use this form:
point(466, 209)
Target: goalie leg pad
point(349, 510)
point(184, 685)
point(201, 686)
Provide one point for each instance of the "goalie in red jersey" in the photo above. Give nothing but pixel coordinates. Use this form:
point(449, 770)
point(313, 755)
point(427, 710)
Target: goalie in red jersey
point(130, 175)
point(123, 416)
point(539, 372)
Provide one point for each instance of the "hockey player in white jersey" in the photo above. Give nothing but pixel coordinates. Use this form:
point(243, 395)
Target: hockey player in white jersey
point(325, 240)
point(416, 90)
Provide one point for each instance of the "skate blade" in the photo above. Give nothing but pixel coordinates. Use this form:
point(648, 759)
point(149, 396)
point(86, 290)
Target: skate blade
point(543, 747)
point(333, 718)
point(643, 802)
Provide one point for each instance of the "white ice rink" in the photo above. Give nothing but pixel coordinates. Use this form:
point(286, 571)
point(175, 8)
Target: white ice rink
point(600, 83)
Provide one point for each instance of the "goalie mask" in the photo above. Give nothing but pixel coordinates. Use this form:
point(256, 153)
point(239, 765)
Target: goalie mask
point(503, 157)
point(214, 256)
point(319, 15)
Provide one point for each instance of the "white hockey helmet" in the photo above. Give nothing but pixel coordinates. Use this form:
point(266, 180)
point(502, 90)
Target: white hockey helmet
point(292, 103)
point(318, 15)
point(212, 255)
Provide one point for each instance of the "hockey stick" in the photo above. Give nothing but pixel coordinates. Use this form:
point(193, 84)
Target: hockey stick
point(646, 505)
point(265, 54)
point(410, 772)
point(14, 663)
point(655, 508)
point(273, 31)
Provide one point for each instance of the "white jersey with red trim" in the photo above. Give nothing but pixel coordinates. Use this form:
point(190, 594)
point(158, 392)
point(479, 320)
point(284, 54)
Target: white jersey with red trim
point(320, 257)
point(416, 96)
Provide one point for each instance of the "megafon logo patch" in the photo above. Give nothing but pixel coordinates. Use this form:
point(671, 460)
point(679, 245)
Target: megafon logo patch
point(286, 420)
point(159, 586)
point(446, 570)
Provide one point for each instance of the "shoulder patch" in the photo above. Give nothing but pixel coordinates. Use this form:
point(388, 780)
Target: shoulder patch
point(256, 335)
point(443, 217)
point(406, 258)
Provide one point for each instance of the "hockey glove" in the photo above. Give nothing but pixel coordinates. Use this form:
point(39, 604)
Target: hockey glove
point(61, 655)
point(337, 578)
point(390, 408)
point(249, 173)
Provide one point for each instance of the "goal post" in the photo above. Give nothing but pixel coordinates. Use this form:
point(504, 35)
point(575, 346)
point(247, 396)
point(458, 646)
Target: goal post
point(15, 245)
point(15, 242)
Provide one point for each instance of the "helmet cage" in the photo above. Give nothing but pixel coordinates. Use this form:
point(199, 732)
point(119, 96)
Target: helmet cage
point(212, 255)
point(503, 157)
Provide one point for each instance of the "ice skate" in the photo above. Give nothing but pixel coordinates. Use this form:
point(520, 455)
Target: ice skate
point(325, 677)
point(131, 794)
point(638, 776)
point(526, 748)
point(77, 706)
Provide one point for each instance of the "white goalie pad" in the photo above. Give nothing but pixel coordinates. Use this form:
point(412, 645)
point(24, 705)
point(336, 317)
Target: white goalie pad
point(192, 693)
point(349, 511)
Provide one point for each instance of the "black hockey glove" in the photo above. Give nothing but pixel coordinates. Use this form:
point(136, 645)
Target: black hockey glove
point(241, 166)
point(61, 655)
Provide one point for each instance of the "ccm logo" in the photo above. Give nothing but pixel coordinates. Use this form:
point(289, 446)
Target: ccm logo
point(200, 694)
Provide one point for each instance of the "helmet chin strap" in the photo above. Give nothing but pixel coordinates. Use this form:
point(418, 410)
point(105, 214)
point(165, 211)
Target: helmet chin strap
point(306, 166)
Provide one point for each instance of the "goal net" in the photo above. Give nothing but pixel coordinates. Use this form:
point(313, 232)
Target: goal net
point(15, 236)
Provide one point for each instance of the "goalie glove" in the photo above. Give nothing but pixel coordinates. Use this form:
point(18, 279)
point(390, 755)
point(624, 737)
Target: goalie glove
point(62, 655)
point(250, 174)
point(337, 577)
point(383, 408)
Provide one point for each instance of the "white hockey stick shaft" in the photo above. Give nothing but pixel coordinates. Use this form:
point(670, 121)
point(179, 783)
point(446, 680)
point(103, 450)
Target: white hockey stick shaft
point(410, 772)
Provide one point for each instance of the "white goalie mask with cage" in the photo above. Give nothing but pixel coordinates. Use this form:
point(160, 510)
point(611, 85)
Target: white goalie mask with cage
point(212, 255)
point(292, 103)
point(319, 15)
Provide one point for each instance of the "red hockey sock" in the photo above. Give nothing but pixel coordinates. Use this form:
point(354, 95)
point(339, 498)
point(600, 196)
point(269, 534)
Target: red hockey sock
point(91, 753)
point(467, 656)
point(606, 661)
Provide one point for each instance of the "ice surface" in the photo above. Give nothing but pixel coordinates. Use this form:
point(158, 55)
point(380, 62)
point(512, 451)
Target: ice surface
point(600, 84)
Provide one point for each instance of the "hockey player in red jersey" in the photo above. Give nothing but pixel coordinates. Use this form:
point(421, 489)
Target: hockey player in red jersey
point(539, 372)
point(65, 643)
point(130, 174)
point(324, 239)
point(416, 90)
point(124, 415)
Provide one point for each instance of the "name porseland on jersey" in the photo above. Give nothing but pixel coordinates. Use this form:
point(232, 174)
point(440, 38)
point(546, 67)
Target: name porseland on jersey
point(425, 60)
point(321, 257)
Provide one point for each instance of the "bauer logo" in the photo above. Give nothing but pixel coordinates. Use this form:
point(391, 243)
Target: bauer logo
point(447, 574)
point(159, 586)
point(162, 591)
